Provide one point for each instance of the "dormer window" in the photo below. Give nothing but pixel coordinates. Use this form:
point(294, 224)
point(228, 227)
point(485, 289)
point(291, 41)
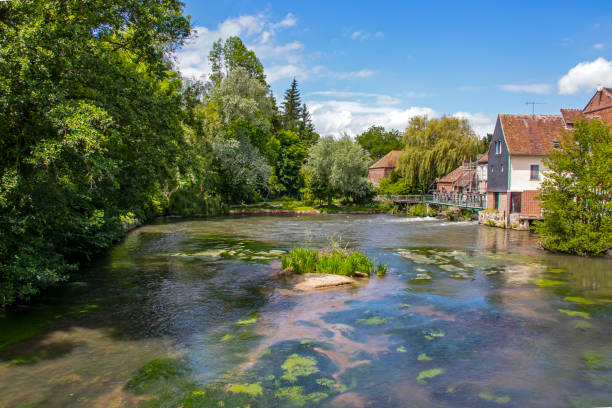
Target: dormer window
point(498, 147)
point(556, 144)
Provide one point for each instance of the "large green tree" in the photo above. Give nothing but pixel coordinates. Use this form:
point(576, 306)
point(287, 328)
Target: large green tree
point(338, 168)
point(378, 142)
point(576, 193)
point(433, 148)
point(230, 54)
point(92, 128)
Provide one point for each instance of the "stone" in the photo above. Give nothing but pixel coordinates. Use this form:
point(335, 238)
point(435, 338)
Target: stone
point(312, 281)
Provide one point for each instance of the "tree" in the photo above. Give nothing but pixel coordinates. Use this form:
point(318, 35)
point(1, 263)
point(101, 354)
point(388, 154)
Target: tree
point(576, 195)
point(292, 105)
point(92, 128)
point(433, 148)
point(379, 142)
point(288, 157)
point(232, 54)
point(337, 167)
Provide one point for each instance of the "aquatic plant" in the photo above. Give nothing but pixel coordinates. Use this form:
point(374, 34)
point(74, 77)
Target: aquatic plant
point(500, 399)
point(401, 349)
point(372, 321)
point(433, 334)
point(578, 299)
point(248, 321)
point(381, 270)
point(337, 261)
point(250, 389)
point(155, 370)
point(427, 374)
point(423, 357)
point(296, 366)
point(575, 313)
point(296, 396)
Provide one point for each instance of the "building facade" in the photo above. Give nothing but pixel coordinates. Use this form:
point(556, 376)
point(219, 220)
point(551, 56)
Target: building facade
point(383, 167)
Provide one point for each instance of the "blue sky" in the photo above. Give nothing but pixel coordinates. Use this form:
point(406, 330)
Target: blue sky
point(379, 63)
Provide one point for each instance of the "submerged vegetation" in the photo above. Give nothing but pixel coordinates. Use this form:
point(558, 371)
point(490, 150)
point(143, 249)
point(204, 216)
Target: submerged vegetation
point(336, 261)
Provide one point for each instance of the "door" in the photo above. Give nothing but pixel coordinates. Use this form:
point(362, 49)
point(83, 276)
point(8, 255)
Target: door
point(515, 203)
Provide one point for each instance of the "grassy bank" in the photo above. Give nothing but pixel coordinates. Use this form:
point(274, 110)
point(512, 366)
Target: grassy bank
point(332, 261)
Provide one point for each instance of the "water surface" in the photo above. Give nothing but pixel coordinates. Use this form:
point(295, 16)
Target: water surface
point(185, 313)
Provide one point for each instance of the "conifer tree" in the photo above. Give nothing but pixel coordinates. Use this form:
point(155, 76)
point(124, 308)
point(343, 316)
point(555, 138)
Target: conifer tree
point(292, 105)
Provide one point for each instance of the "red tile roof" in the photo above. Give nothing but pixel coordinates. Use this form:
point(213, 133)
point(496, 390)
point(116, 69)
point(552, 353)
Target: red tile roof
point(531, 134)
point(389, 160)
point(571, 115)
point(484, 158)
point(454, 175)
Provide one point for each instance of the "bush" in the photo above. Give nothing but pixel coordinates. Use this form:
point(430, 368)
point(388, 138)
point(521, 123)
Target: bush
point(421, 210)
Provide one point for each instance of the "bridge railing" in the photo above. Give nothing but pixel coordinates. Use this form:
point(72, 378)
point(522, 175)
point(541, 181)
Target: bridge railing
point(467, 200)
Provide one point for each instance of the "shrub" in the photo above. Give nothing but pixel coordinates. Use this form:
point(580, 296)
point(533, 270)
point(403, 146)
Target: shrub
point(420, 210)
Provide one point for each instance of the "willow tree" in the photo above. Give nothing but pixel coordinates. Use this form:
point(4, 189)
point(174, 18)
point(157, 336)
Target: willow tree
point(433, 148)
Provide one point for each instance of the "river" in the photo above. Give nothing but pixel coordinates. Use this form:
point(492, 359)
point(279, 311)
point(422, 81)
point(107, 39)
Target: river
point(185, 313)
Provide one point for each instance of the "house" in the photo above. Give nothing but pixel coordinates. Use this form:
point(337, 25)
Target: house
point(459, 181)
point(383, 167)
point(515, 158)
point(515, 164)
point(600, 105)
point(481, 172)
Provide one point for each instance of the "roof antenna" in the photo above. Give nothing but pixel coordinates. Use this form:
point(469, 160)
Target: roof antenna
point(533, 104)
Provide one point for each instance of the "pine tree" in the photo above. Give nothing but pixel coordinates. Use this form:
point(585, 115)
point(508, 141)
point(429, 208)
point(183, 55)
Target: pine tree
point(292, 105)
point(306, 129)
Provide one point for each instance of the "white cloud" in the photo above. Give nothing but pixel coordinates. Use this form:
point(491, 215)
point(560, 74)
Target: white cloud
point(481, 123)
point(586, 76)
point(364, 35)
point(381, 99)
point(364, 73)
point(335, 117)
point(532, 88)
point(599, 45)
point(257, 31)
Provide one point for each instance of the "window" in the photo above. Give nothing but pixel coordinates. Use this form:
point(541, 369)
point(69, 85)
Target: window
point(556, 144)
point(535, 172)
point(492, 168)
point(501, 166)
point(498, 147)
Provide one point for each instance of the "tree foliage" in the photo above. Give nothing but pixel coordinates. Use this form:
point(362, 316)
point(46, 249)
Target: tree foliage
point(433, 148)
point(576, 195)
point(379, 142)
point(338, 168)
point(91, 119)
point(226, 56)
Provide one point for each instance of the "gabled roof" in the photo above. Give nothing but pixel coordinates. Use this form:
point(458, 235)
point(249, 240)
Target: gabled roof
point(531, 134)
point(571, 115)
point(601, 100)
point(454, 175)
point(484, 158)
point(389, 160)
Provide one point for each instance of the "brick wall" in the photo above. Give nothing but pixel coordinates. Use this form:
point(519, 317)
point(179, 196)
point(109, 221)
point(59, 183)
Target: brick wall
point(530, 206)
point(491, 201)
point(375, 175)
point(503, 203)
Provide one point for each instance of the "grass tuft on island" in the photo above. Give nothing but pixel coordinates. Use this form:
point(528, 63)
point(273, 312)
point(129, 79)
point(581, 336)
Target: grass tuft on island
point(336, 261)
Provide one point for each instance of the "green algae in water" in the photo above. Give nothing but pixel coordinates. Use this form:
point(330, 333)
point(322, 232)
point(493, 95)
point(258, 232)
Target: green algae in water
point(423, 357)
point(548, 282)
point(575, 313)
point(295, 395)
point(372, 321)
point(151, 373)
point(450, 390)
point(249, 389)
point(247, 322)
point(427, 374)
point(296, 366)
point(227, 337)
point(581, 324)
point(497, 398)
point(578, 299)
point(556, 270)
point(401, 349)
point(326, 382)
point(433, 334)
point(306, 341)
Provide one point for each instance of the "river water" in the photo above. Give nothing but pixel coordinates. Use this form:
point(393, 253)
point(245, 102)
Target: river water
point(185, 313)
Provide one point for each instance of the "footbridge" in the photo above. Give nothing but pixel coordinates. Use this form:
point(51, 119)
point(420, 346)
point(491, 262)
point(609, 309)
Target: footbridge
point(470, 201)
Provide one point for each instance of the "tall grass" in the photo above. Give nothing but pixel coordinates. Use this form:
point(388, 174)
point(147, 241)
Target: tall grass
point(337, 262)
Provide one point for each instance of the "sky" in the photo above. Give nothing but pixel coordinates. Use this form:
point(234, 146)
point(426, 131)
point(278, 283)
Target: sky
point(361, 63)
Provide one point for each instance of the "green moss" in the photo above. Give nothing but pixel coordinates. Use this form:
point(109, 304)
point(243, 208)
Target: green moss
point(433, 334)
point(249, 389)
point(575, 313)
point(427, 374)
point(401, 349)
point(296, 366)
point(423, 357)
point(152, 372)
point(372, 321)
point(499, 399)
point(578, 299)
